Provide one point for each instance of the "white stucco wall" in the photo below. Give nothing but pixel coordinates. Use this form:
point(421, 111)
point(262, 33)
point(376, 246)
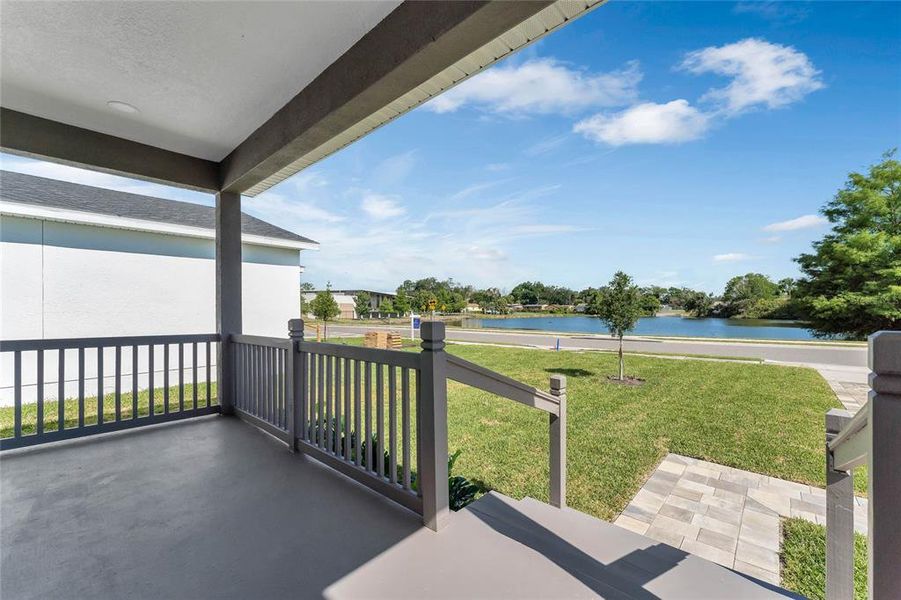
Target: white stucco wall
point(60, 280)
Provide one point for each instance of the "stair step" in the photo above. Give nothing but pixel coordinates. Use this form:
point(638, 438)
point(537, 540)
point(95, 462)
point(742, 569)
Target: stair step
point(624, 563)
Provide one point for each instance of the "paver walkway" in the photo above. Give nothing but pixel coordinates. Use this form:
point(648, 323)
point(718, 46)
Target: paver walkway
point(726, 515)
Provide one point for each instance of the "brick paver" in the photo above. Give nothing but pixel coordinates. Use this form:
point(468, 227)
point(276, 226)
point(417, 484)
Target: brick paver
point(726, 515)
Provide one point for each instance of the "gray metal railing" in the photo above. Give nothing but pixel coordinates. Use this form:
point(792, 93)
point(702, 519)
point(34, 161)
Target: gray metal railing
point(553, 403)
point(61, 389)
point(264, 384)
point(870, 438)
point(355, 412)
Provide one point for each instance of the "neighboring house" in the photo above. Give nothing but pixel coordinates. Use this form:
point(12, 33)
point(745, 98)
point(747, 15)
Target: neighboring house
point(346, 300)
point(80, 261)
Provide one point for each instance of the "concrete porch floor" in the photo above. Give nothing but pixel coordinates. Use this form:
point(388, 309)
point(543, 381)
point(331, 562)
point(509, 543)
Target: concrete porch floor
point(213, 508)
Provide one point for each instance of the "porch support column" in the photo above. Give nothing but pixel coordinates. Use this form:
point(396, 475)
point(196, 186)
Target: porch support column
point(228, 291)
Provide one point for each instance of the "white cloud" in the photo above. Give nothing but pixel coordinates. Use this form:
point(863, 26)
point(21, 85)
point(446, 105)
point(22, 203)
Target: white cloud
point(802, 222)
point(648, 123)
point(541, 86)
point(379, 206)
point(394, 169)
point(773, 239)
point(762, 73)
point(731, 257)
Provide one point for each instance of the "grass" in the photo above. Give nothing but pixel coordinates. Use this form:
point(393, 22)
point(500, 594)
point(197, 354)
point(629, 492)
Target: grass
point(70, 408)
point(804, 560)
point(763, 418)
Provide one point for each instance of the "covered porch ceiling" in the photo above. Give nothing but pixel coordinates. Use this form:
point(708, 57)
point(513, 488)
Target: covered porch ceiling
point(237, 96)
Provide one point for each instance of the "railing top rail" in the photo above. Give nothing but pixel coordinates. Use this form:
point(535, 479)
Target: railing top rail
point(105, 342)
point(857, 424)
point(397, 358)
point(259, 340)
point(477, 376)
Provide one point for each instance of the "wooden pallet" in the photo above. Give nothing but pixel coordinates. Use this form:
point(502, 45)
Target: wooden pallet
point(382, 339)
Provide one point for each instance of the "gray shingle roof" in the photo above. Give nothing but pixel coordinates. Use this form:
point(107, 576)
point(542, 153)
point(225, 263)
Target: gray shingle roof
point(40, 191)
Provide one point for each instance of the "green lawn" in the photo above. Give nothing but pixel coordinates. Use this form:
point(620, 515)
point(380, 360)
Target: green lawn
point(804, 560)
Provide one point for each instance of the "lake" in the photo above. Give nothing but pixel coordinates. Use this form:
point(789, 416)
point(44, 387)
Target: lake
point(763, 329)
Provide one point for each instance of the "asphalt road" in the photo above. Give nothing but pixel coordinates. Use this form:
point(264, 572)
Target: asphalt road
point(835, 356)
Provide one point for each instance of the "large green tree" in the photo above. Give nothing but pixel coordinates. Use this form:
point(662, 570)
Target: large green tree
point(852, 279)
point(743, 291)
point(619, 305)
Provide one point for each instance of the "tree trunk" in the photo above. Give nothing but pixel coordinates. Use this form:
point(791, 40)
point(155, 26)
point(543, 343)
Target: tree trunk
point(622, 366)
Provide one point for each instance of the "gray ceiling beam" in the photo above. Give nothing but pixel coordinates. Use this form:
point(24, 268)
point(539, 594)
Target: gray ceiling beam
point(35, 137)
point(415, 41)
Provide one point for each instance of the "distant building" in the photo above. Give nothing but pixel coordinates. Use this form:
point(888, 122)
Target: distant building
point(346, 300)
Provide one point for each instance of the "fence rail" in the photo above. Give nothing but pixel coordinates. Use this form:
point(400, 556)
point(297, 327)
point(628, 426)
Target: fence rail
point(869, 438)
point(68, 388)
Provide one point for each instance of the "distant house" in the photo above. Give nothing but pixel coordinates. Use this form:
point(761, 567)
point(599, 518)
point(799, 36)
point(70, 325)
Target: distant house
point(81, 261)
point(346, 300)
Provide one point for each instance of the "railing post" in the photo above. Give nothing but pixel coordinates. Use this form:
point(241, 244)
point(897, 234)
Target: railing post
point(839, 517)
point(432, 416)
point(297, 401)
point(557, 427)
point(884, 466)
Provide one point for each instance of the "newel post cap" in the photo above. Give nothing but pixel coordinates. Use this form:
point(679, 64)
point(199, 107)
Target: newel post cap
point(885, 353)
point(558, 384)
point(295, 327)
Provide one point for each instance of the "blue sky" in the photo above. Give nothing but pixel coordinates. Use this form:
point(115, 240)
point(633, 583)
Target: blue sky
point(681, 142)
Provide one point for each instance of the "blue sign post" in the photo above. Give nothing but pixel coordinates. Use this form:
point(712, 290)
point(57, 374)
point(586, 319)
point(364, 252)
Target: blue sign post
point(415, 324)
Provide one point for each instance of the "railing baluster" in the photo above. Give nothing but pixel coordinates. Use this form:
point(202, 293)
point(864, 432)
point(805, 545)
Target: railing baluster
point(181, 378)
point(267, 385)
point(151, 393)
point(118, 383)
point(100, 385)
point(134, 382)
point(270, 383)
point(392, 424)
point(272, 378)
point(347, 409)
point(405, 424)
point(358, 433)
point(208, 378)
point(40, 393)
point(194, 376)
point(61, 391)
point(81, 387)
point(329, 385)
point(338, 401)
point(380, 419)
point(17, 393)
point(258, 369)
point(323, 390)
point(367, 398)
point(241, 374)
point(166, 368)
point(311, 399)
point(283, 388)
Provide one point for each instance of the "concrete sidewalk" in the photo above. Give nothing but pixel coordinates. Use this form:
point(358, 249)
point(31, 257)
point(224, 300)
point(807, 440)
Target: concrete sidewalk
point(726, 515)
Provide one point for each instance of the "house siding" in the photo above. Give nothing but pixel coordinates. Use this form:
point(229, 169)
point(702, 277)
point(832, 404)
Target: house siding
point(61, 280)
